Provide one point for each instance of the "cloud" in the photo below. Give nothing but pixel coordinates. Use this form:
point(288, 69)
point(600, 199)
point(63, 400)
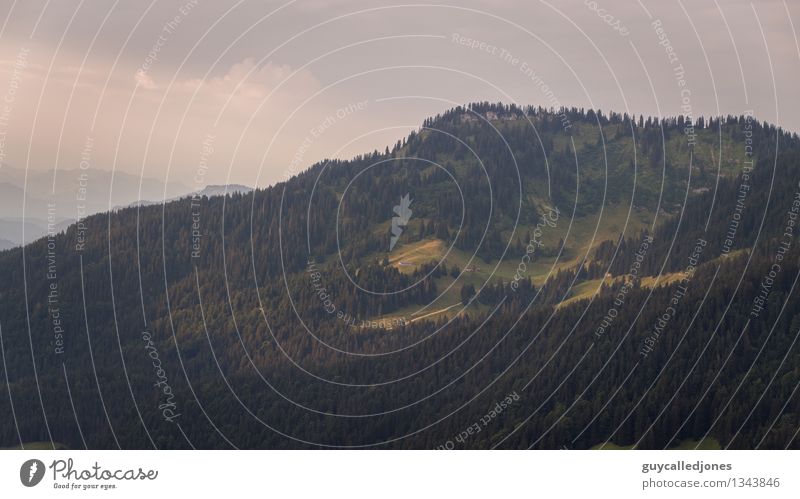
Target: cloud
point(244, 81)
point(145, 81)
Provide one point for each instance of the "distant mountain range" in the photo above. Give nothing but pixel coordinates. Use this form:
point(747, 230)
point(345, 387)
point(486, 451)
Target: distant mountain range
point(27, 206)
point(208, 191)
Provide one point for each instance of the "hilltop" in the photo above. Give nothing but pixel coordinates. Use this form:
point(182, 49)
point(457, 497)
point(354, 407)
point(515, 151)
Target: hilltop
point(287, 317)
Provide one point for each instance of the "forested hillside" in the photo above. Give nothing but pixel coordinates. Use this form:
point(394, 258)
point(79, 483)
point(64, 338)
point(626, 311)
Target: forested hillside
point(554, 278)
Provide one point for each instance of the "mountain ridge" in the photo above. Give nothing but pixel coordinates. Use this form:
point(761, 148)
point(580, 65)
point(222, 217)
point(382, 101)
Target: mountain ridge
point(257, 327)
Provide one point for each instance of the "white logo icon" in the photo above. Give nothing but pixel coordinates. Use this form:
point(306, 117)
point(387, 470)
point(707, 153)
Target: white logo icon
point(31, 472)
point(403, 212)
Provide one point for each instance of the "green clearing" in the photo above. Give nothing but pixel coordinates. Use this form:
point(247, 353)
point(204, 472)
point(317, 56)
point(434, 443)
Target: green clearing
point(582, 235)
point(583, 291)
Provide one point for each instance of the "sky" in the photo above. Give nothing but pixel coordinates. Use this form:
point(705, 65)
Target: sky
point(212, 92)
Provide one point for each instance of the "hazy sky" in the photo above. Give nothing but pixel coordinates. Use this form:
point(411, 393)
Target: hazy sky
point(250, 91)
